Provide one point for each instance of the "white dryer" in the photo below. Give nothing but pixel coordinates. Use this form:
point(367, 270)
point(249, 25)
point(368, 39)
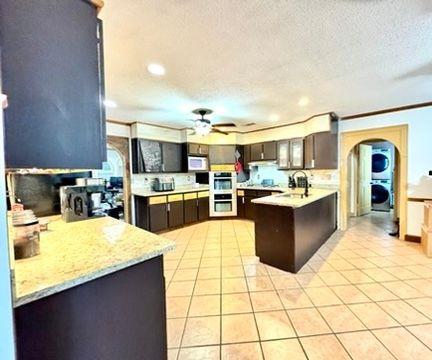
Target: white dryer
point(382, 164)
point(381, 195)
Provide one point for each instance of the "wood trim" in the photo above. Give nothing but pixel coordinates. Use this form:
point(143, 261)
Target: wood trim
point(384, 111)
point(119, 122)
point(99, 4)
point(413, 238)
point(419, 199)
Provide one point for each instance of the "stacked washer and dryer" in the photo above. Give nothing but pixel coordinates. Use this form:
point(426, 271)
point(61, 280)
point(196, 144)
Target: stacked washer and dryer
point(382, 179)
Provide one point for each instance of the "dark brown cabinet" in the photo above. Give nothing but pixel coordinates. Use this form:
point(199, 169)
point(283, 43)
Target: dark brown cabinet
point(247, 155)
point(203, 207)
point(190, 208)
point(290, 154)
point(175, 213)
point(245, 206)
point(198, 149)
point(321, 151)
point(240, 204)
point(263, 151)
point(158, 217)
point(222, 154)
point(52, 72)
point(171, 157)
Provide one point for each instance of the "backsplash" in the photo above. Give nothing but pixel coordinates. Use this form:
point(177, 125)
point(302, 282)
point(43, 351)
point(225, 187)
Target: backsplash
point(317, 178)
point(144, 181)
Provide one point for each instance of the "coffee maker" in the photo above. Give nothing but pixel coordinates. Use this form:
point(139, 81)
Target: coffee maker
point(80, 202)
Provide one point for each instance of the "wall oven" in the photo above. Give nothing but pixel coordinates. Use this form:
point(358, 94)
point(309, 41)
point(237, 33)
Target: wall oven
point(223, 193)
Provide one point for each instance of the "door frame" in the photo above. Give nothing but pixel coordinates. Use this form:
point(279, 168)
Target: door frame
point(398, 136)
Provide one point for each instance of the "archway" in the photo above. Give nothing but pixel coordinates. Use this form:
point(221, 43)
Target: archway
point(398, 136)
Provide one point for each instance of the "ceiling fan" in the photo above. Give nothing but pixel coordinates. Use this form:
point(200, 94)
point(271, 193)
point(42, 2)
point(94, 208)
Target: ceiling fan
point(204, 126)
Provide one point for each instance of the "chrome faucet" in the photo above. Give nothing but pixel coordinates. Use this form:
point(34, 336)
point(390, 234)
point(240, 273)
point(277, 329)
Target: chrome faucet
point(294, 184)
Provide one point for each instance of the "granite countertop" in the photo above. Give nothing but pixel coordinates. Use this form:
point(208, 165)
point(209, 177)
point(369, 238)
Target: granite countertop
point(77, 252)
point(295, 201)
point(260, 187)
point(178, 190)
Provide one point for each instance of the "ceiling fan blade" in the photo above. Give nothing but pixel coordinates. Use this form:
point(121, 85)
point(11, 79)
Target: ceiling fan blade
point(218, 131)
point(225, 125)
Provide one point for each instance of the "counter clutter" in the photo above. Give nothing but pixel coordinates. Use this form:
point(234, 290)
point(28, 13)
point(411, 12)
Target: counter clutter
point(75, 253)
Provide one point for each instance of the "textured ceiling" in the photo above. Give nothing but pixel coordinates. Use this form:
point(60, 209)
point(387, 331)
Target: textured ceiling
point(250, 59)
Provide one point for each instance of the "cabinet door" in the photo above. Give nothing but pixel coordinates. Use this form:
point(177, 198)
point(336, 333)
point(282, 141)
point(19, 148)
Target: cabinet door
point(256, 152)
point(249, 208)
point(190, 211)
point(175, 214)
point(158, 217)
point(269, 150)
point(247, 155)
point(137, 160)
point(52, 72)
point(283, 152)
point(171, 157)
point(240, 206)
point(325, 150)
point(309, 152)
point(203, 149)
point(203, 208)
point(296, 153)
point(222, 154)
point(151, 155)
point(193, 149)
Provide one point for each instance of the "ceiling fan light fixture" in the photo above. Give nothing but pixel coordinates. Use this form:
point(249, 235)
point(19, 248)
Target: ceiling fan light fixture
point(202, 128)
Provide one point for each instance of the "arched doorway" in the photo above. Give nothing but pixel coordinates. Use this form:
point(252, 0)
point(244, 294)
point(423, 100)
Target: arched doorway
point(398, 136)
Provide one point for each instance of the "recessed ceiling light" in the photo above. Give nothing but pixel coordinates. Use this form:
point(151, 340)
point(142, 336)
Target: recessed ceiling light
point(156, 69)
point(110, 103)
point(303, 101)
point(274, 117)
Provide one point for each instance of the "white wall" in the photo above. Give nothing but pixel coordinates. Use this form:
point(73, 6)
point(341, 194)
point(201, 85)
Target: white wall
point(419, 123)
point(6, 320)
point(120, 130)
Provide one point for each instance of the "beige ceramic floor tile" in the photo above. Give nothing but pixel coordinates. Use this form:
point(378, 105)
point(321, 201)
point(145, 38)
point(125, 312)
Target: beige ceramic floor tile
point(255, 270)
point(349, 294)
point(185, 274)
point(403, 344)
point(177, 307)
point(379, 275)
point(377, 292)
point(207, 287)
point(202, 331)
point(284, 282)
point(265, 301)
point(309, 280)
point(202, 352)
point(340, 318)
point(402, 289)
point(205, 305)
point(274, 325)
point(238, 328)
point(423, 333)
point(332, 278)
point(174, 332)
point(283, 349)
point(324, 347)
point(232, 272)
point(209, 273)
point(424, 305)
point(249, 351)
point(181, 288)
point(308, 322)
point(403, 312)
point(357, 277)
point(294, 299)
point(236, 303)
point(423, 285)
point(172, 354)
point(372, 315)
point(322, 296)
point(234, 285)
point(363, 345)
point(259, 283)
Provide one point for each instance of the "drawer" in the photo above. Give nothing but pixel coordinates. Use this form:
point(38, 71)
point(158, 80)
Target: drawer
point(203, 194)
point(157, 200)
point(176, 197)
point(189, 196)
point(262, 193)
point(240, 193)
point(226, 167)
point(250, 193)
point(427, 218)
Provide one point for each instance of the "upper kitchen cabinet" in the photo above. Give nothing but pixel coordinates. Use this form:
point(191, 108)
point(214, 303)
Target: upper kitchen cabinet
point(290, 154)
point(52, 73)
point(151, 156)
point(222, 154)
point(198, 149)
point(321, 149)
point(263, 151)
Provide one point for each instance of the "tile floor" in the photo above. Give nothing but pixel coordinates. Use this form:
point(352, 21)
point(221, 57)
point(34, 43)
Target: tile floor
point(363, 295)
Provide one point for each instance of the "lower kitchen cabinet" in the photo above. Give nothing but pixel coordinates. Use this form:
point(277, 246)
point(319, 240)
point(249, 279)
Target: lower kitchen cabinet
point(203, 206)
point(175, 210)
point(158, 217)
point(245, 206)
point(240, 204)
point(249, 207)
point(190, 208)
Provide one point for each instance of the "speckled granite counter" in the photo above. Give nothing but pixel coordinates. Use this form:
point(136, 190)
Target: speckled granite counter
point(75, 253)
point(294, 201)
point(178, 190)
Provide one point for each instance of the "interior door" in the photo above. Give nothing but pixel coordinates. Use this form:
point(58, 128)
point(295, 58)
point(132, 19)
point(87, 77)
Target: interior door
point(364, 199)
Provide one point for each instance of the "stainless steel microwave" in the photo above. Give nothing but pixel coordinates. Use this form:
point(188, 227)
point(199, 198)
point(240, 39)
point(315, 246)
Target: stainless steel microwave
point(197, 163)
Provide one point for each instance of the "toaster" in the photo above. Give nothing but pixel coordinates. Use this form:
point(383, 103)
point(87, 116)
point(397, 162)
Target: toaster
point(164, 184)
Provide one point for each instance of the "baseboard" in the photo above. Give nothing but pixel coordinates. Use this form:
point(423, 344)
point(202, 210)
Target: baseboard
point(413, 238)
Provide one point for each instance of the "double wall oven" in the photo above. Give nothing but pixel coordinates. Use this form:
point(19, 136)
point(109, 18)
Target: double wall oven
point(223, 193)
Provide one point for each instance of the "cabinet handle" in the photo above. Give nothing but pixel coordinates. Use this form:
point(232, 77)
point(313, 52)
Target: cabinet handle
point(199, 150)
point(163, 167)
point(262, 156)
point(243, 200)
point(289, 164)
point(313, 163)
point(168, 207)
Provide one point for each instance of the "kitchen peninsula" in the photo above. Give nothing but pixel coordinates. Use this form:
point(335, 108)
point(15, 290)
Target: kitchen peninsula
point(290, 228)
point(94, 280)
